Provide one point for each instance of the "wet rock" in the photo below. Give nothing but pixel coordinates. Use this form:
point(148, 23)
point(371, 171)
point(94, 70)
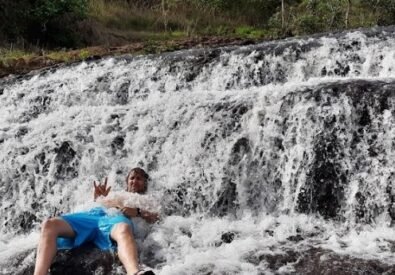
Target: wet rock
point(121, 96)
point(295, 238)
point(239, 150)
point(360, 208)
point(21, 132)
point(278, 143)
point(175, 201)
point(25, 221)
point(37, 105)
point(184, 200)
point(66, 161)
point(323, 192)
point(228, 116)
point(341, 69)
point(273, 261)
point(364, 119)
point(117, 144)
point(227, 202)
point(228, 237)
point(317, 261)
point(23, 150)
point(192, 67)
point(391, 195)
point(269, 232)
point(209, 139)
point(324, 189)
point(86, 260)
point(42, 164)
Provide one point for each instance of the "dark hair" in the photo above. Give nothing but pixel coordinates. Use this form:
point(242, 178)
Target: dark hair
point(141, 172)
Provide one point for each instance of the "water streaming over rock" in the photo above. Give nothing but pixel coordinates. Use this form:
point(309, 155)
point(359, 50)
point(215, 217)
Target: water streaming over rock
point(276, 158)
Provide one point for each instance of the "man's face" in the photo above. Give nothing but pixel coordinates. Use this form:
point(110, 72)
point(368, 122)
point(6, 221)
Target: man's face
point(136, 183)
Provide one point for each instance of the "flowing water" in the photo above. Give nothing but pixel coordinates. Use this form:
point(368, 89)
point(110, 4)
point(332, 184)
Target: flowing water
point(276, 158)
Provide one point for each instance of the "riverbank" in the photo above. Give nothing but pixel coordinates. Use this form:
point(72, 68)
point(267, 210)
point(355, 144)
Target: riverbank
point(22, 63)
point(44, 34)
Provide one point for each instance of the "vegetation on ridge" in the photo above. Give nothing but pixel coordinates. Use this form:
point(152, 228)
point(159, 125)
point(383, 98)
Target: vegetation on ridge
point(55, 29)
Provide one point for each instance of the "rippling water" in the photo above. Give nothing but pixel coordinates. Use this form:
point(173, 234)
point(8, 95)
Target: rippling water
point(276, 158)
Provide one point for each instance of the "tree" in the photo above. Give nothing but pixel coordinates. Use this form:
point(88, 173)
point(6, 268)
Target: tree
point(29, 19)
point(45, 10)
point(282, 15)
point(347, 13)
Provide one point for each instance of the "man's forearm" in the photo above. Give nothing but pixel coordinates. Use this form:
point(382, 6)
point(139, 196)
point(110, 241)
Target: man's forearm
point(149, 216)
point(110, 202)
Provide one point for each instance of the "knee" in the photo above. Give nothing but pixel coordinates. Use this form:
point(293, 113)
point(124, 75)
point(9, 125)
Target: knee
point(49, 227)
point(122, 230)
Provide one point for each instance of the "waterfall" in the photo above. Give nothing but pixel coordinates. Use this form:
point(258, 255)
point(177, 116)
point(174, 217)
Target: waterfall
point(261, 154)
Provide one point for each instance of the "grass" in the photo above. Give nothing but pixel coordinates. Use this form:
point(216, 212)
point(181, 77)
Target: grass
point(62, 56)
point(20, 59)
point(121, 16)
point(9, 56)
point(112, 23)
point(117, 23)
point(183, 20)
point(250, 32)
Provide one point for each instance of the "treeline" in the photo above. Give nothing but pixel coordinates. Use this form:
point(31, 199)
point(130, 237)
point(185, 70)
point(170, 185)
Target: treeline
point(41, 22)
point(77, 23)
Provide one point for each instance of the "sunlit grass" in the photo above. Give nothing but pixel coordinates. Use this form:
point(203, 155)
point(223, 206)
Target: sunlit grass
point(249, 32)
point(61, 55)
point(14, 53)
point(9, 56)
point(20, 58)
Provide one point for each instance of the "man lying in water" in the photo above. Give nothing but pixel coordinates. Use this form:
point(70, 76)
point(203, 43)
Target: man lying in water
point(107, 229)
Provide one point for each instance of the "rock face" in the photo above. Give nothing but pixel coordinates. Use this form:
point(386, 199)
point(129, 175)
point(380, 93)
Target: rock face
point(86, 260)
point(345, 145)
point(245, 144)
point(66, 162)
point(317, 261)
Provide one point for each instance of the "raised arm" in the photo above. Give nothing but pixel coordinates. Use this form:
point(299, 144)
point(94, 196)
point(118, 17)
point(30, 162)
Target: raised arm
point(100, 193)
point(100, 189)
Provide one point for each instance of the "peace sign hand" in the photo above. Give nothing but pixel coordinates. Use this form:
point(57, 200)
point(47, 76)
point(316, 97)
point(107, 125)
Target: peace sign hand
point(100, 189)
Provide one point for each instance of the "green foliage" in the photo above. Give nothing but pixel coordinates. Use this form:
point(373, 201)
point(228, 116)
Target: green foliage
point(308, 24)
point(40, 21)
point(151, 47)
point(178, 34)
point(382, 10)
point(45, 10)
point(249, 32)
point(310, 16)
point(61, 23)
point(84, 54)
point(12, 14)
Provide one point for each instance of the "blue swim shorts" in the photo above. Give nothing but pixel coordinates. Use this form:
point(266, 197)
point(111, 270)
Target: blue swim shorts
point(92, 226)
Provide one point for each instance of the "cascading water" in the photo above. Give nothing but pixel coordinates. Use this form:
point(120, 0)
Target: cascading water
point(276, 158)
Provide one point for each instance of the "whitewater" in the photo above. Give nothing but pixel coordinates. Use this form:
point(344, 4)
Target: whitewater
point(275, 158)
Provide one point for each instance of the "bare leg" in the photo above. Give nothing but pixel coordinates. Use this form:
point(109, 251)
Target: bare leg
point(50, 230)
point(127, 248)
